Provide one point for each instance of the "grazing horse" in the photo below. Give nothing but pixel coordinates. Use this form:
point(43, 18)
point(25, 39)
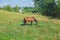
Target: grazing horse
point(29, 19)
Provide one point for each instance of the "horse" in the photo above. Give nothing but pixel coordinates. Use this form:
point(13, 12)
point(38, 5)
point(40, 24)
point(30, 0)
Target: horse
point(30, 19)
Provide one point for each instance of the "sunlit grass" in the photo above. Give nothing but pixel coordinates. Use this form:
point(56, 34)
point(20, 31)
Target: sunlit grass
point(11, 28)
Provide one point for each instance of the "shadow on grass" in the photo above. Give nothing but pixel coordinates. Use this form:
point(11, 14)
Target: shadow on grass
point(30, 25)
point(27, 24)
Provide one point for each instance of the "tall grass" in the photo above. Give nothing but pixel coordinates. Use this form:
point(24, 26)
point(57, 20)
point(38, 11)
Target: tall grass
point(11, 28)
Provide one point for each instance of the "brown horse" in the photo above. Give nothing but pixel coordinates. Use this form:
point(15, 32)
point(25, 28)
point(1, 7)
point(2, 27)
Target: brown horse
point(29, 19)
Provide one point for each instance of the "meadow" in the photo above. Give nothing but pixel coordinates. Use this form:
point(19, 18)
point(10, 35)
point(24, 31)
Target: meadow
point(11, 27)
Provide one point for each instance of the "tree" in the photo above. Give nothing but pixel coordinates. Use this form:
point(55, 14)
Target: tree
point(28, 9)
point(38, 5)
point(47, 7)
point(0, 8)
point(16, 9)
point(8, 8)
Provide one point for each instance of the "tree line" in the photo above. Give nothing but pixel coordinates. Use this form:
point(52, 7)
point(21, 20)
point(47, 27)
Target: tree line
point(48, 7)
point(45, 7)
point(9, 8)
point(16, 8)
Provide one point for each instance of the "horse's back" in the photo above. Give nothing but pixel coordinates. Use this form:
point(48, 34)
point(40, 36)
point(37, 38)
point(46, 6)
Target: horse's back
point(29, 18)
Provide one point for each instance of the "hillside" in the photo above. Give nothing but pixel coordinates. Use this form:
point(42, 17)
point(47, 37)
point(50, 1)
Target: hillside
point(11, 28)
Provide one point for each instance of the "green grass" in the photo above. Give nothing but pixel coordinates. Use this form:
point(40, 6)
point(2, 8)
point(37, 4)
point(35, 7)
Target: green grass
point(11, 28)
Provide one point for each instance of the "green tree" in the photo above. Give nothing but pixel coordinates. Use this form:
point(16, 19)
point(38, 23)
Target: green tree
point(8, 8)
point(28, 9)
point(47, 7)
point(16, 9)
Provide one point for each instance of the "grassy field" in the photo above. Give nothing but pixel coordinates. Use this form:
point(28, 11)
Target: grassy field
point(11, 28)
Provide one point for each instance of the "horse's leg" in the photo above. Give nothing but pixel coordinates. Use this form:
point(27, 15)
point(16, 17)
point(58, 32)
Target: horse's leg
point(31, 22)
point(36, 22)
point(24, 22)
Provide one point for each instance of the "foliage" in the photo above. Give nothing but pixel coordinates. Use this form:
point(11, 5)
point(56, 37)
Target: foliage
point(47, 7)
point(8, 8)
point(28, 9)
point(16, 9)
